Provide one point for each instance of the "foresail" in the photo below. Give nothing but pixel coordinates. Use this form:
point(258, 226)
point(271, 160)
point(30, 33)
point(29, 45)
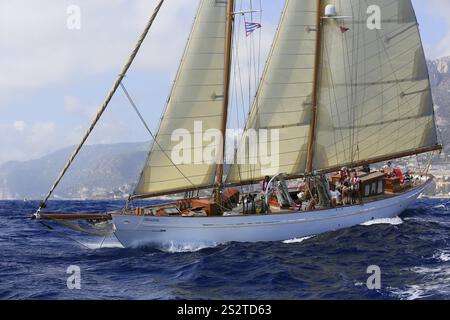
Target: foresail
point(195, 106)
point(374, 92)
point(284, 98)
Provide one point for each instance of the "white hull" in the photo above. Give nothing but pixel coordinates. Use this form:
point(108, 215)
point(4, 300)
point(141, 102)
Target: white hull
point(136, 231)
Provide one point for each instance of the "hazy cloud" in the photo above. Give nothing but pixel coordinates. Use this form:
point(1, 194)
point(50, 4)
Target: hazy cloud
point(440, 9)
point(19, 125)
point(35, 140)
point(27, 141)
point(73, 105)
point(39, 50)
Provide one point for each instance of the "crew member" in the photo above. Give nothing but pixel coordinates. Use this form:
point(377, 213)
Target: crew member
point(355, 186)
point(335, 197)
point(266, 185)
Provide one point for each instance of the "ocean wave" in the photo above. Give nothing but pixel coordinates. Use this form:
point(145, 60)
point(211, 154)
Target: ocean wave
point(434, 284)
point(177, 247)
point(299, 240)
point(442, 255)
point(412, 292)
point(392, 221)
point(443, 206)
point(414, 259)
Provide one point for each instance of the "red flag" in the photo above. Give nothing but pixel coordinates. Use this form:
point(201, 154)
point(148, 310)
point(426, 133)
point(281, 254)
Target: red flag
point(344, 29)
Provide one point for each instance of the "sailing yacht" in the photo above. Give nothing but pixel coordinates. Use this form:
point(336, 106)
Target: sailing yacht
point(342, 89)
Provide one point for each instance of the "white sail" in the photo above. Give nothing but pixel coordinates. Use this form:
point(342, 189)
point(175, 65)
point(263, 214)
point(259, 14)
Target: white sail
point(374, 92)
point(284, 98)
point(197, 95)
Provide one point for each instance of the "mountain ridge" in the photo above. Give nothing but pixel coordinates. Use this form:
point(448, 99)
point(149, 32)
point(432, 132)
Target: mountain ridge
point(439, 71)
point(100, 171)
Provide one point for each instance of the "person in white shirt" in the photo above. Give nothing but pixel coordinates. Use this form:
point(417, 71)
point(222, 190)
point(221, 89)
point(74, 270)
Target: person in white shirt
point(336, 197)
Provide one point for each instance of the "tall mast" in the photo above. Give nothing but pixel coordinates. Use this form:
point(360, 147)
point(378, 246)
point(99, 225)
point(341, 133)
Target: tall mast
point(227, 73)
point(315, 96)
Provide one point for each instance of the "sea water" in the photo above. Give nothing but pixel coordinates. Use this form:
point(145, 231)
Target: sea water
point(411, 251)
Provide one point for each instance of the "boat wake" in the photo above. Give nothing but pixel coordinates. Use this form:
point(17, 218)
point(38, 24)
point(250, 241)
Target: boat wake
point(392, 221)
point(104, 245)
point(299, 240)
point(168, 247)
point(176, 247)
point(443, 206)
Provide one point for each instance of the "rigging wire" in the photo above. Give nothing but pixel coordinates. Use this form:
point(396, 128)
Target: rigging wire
point(151, 133)
point(354, 91)
point(63, 234)
point(236, 75)
point(238, 63)
point(347, 65)
point(253, 72)
point(257, 61)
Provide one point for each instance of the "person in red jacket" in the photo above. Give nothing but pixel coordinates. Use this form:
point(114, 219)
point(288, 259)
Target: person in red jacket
point(399, 174)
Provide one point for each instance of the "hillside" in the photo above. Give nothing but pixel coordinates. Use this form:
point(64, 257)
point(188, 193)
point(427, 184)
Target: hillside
point(100, 171)
point(440, 83)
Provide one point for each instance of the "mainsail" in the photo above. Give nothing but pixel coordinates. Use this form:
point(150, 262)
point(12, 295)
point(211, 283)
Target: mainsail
point(369, 84)
point(195, 106)
point(284, 98)
point(374, 93)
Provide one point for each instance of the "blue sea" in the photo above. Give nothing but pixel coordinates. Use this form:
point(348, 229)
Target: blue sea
point(412, 252)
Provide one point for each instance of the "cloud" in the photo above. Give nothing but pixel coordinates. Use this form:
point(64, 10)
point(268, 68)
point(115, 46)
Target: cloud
point(40, 54)
point(41, 138)
point(73, 105)
point(40, 132)
point(39, 50)
point(19, 125)
point(440, 10)
point(31, 140)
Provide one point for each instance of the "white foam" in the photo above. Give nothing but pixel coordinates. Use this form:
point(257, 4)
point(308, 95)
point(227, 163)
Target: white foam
point(100, 245)
point(442, 255)
point(173, 247)
point(299, 240)
point(434, 282)
point(393, 221)
point(438, 271)
point(413, 292)
point(445, 257)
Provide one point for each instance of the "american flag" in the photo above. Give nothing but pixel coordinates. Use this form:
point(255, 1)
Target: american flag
point(250, 27)
point(344, 29)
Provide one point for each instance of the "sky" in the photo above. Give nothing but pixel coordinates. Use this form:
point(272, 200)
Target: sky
point(54, 75)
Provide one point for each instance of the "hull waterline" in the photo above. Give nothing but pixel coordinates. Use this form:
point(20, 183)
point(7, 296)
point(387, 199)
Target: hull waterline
point(137, 231)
